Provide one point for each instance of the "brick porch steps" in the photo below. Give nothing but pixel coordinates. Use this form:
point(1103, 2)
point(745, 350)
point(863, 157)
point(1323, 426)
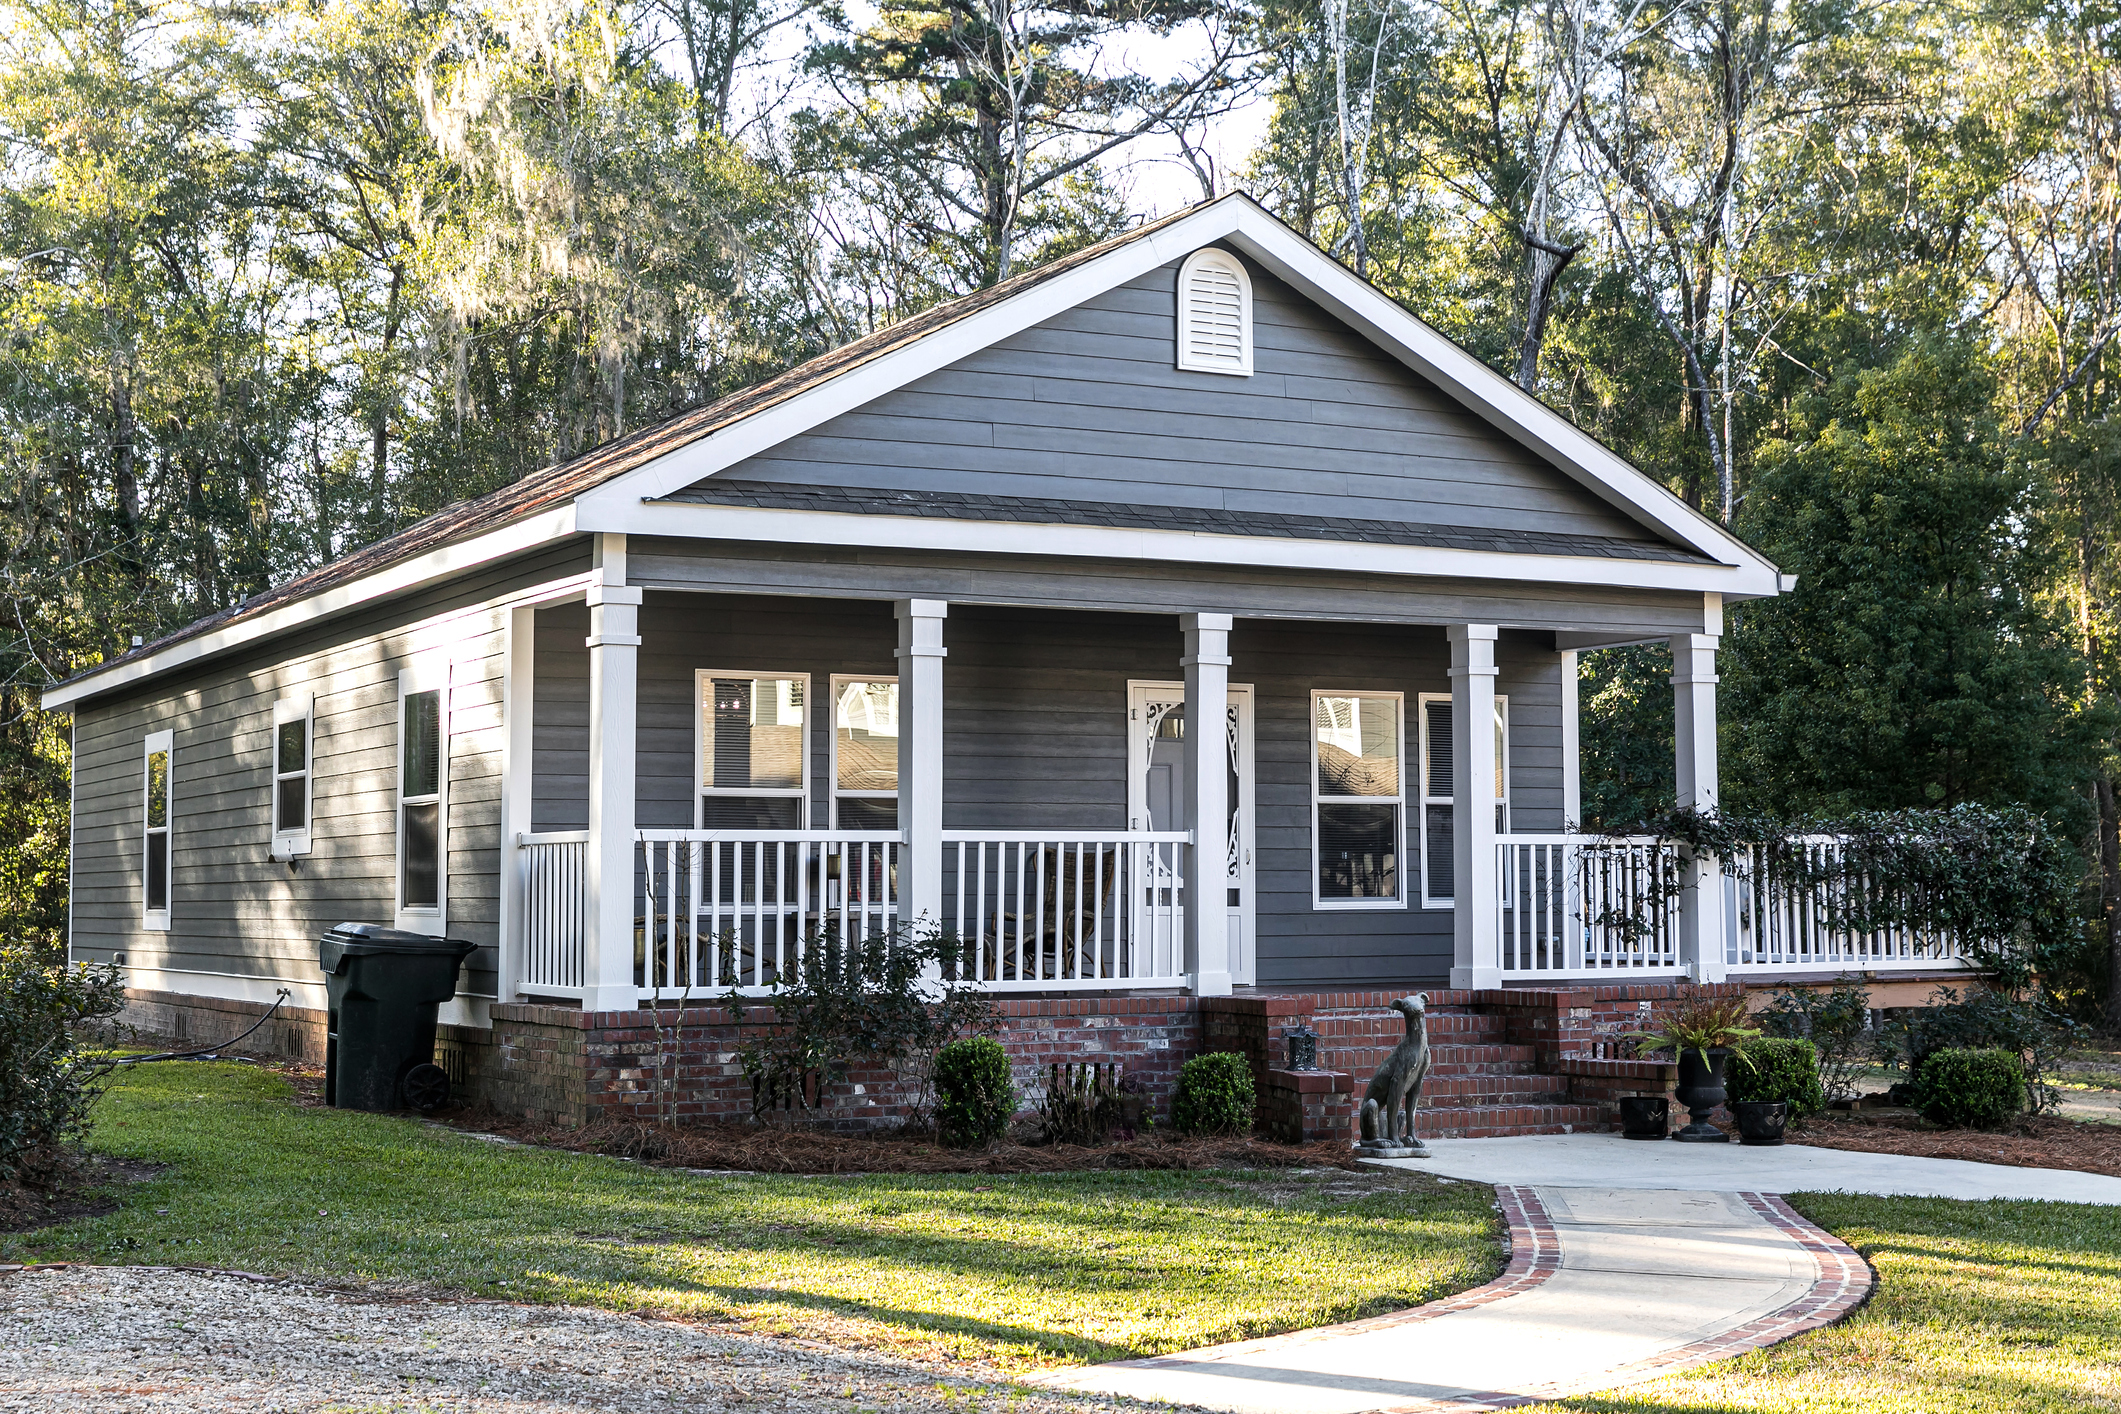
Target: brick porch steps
point(1501, 1121)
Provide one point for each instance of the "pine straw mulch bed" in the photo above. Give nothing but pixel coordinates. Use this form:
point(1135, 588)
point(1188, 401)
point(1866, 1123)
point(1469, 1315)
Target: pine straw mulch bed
point(770, 1149)
point(60, 1186)
point(2031, 1141)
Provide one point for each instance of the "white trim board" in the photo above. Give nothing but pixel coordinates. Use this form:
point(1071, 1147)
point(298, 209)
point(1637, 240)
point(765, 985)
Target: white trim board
point(1240, 221)
point(692, 520)
point(401, 578)
point(464, 1009)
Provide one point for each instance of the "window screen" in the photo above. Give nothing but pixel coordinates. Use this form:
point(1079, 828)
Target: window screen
point(420, 799)
point(865, 753)
point(1357, 796)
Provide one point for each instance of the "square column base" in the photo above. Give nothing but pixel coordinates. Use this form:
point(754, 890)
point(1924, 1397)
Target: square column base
point(1475, 979)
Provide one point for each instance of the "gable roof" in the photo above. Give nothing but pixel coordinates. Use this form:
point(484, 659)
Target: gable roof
point(605, 488)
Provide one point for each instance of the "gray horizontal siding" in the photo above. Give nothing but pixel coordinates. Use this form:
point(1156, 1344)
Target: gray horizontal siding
point(1088, 406)
point(1035, 704)
point(234, 910)
point(734, 567)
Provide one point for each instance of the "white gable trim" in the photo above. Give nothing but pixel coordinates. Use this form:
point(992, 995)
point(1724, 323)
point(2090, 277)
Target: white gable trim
point(401, 578)
point(846, 528)
point(1242, 223)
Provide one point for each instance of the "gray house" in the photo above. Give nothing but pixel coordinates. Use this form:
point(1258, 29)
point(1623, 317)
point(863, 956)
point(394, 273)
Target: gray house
point(1180, 618)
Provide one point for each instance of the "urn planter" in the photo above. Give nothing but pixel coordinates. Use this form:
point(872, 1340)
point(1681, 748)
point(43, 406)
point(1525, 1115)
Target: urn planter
point(1701, 1091)
point(1760, 1122)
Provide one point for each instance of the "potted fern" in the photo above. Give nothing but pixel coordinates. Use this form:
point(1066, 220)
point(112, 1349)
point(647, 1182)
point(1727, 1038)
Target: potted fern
point(1702, 1032)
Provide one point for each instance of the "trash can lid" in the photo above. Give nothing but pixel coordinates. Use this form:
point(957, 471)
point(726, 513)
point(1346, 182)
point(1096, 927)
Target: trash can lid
point(375, 940)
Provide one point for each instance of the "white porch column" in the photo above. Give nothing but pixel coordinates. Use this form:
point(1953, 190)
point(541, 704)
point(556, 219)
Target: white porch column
point(1476, 957)
point(1694, 730)
point(1207, 665)
point(1571, 744)
point(920, 759)
point(614, 657)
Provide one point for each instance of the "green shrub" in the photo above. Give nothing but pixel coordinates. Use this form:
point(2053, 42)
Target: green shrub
point(973, 1096)
point(1968, 1089)
point(1214, 1095)
point(1838, 1024)
point(1984, 1019)
point(1783, 1068)
point(46, 1083)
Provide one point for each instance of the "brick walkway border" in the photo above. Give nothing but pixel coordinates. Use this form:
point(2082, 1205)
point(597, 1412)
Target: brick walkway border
point(1845, 1282)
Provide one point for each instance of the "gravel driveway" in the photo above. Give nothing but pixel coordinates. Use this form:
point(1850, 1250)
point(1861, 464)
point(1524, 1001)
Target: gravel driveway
point(149, 1339)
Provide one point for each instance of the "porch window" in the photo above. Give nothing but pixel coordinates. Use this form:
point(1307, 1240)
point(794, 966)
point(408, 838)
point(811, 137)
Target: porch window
point(753, 771)
point(1438, 861)
point(1358, 798)
point(154, 842)
point(423, 772)
point(292, 718)
point(865, 753)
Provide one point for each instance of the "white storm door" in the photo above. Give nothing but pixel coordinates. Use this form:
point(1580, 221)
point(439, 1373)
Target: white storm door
point(1156, 796)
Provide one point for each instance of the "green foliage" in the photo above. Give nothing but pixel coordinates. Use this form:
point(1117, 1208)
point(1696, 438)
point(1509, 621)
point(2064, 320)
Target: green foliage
point(1782, 1068)
point(2038, 1035)
point(1081, 1104)
point(1837, 1023)
point(1969, 1089)
point(874, 999)
point(1625, 736)
point(1917, 664)
point(1698, 1023)
point(47, 1081)
point(974, 1098)
point(1215, 1095)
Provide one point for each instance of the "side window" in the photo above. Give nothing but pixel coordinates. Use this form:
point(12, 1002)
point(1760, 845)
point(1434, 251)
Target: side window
point(423, 783)
point(155, 830)
point(1358, 798)
point(754, 770)
point(293, 719)
point(865, 753)
point(1438, 862)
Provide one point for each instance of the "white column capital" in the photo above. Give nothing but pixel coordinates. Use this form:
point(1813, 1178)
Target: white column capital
point(601, 595)
point(1208, 623)
point(1472, 633)
point(922, 608)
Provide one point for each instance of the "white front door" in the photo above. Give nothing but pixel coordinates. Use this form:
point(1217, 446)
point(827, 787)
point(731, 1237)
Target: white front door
point(1156, 793)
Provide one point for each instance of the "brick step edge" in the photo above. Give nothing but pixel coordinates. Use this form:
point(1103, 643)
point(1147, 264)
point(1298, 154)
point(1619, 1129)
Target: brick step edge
point(1498, 1121)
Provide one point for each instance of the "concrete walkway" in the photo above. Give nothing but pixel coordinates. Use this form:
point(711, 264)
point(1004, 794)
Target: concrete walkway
point(1606, 1286)
point(1609, 1161)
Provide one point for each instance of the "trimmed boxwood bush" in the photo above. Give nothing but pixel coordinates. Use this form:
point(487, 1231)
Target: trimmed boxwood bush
point(1968, 1089)
point(973, 1096)
point(1214, 1095)
point(1783, 1068)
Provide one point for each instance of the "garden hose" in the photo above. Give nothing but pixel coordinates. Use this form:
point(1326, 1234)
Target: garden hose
point(210, 1052)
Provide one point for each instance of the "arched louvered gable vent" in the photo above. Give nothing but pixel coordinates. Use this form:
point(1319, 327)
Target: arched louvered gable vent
point(1214, 313)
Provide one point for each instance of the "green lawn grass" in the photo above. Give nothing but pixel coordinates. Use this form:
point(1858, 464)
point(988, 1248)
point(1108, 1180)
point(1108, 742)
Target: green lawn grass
point(1981, 1308)
point(1020, 1270)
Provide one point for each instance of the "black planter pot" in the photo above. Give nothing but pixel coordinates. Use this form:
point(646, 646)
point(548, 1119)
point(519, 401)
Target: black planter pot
point(1701, 1091)
point(1761, 1121)
point(1645, 1117)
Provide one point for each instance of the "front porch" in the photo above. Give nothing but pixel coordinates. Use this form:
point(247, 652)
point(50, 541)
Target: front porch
point(712, 779)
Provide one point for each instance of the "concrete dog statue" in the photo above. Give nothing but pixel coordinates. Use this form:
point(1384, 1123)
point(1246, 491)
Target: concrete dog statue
point(1394, 1096)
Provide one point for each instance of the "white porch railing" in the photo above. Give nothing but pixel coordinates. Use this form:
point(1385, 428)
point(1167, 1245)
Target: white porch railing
point(1067, 910)
point(553, 873)
point(1587, 906)
point(1790, 917)
point(733, 908)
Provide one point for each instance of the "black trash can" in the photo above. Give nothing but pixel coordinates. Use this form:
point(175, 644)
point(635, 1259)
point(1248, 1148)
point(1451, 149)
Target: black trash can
point(383, 986)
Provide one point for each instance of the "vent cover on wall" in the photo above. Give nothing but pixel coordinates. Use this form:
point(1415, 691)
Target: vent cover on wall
point(1214, 313)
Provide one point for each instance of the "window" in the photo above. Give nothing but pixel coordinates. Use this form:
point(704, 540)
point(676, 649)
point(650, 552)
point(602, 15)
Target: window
point(1438, 861)
point(292, 719)
point(423, 780)
point(753, 771)
point(154, 840)
point(1357, 797)
point(1214, 314)
point(865, 753)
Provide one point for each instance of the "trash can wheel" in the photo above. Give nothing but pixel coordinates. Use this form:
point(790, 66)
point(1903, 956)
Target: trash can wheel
point(426, 1087)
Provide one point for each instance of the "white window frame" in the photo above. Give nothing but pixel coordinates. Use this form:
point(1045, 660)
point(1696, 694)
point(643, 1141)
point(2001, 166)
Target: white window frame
point(832, 732)
point(1318, 798)
point(700, 789)
point(157, 919)
point(430, 675)
point(289, 841)
point(1221, 259)
point(1502, 771)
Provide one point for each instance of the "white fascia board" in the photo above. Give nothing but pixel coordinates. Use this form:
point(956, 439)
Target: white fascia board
point(402, 577)
point(866, 382)
point(1480, 389)
point(842, 528)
